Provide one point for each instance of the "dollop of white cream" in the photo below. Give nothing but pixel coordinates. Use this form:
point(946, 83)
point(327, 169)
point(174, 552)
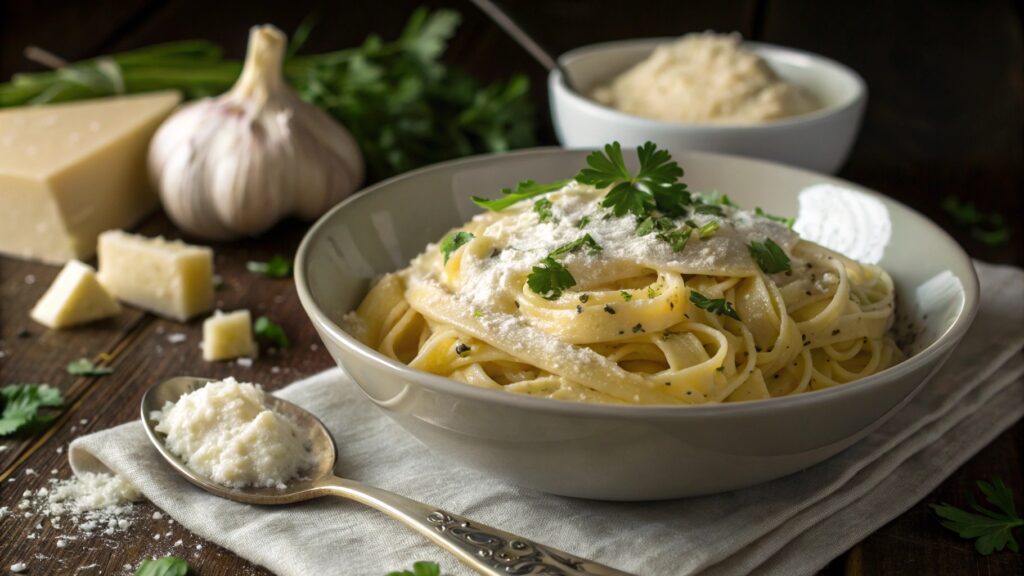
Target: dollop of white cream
point(225, 432)
point(849, 222)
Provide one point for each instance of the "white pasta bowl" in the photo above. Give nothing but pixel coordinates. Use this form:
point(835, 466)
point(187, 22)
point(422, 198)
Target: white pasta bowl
point(630, 452)
point(819, 140)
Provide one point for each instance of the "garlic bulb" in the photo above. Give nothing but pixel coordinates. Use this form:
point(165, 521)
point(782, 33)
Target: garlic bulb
point(237, 164)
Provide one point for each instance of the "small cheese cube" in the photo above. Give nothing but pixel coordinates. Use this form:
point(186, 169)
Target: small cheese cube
point(70, 171)
point(169, 278)
point(228, 336)
point(75, 297)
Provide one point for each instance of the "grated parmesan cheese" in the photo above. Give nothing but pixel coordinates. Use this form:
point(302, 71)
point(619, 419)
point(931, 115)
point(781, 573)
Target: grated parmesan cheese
point(225, 432)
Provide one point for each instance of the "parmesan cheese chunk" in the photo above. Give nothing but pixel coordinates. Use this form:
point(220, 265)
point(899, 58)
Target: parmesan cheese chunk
point(75, 297)
point(169, 278)
point(228, 336)
point(70, 171)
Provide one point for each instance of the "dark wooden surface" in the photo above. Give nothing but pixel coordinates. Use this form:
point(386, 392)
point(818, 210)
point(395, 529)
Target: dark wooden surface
point(946, 115)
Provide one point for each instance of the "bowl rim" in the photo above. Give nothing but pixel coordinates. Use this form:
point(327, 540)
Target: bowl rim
point(855, 98)
point(933, 354)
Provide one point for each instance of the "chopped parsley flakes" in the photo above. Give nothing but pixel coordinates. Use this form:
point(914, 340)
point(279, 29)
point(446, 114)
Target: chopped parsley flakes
point(543, 209)
point(453, 242)
point(769, 256)
point(719, 306)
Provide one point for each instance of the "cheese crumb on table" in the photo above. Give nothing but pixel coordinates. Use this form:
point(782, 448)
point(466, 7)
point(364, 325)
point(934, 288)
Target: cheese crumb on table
point(225, 432)
point(75, 297)
point(166, 277)
point(227, 336)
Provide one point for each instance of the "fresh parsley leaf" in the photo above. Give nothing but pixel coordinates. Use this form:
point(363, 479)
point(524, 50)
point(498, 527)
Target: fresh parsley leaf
point(420, 569)
point(21, 404)
point(585, 242)
point(708, 230)
point(991, 530)
point(583, 222)
point(769, 256)
point(276, 267)
point(782, 219)
point(719, 306)
point(166, 566)
point(986, 227)
point(453, 241)
point(626, 296)
point(650, 224)
point(525, 189)
point(678, 238)
point(543, 209)
point(549, 279)
point(656, 184)
point(267, 329)
point(716, 197)
point(86, 367)
point(708, 209)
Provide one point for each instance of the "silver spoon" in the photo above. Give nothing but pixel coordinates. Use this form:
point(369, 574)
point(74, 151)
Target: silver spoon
point(506, 22)
point(485, 549)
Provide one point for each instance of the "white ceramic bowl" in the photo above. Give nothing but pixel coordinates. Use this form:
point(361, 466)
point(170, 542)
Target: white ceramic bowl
point(618, 452)
point(819, 141)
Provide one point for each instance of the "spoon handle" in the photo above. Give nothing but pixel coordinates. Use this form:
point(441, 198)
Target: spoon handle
point(485, 549)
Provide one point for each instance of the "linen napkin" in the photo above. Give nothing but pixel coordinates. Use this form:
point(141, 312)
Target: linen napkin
point(793, 525)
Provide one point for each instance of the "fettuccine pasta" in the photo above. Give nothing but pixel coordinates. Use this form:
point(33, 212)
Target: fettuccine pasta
point(644, 321)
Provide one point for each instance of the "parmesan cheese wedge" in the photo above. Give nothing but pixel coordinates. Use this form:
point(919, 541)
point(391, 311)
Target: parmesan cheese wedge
point(70, 171)
point(228, 336)
point(74, 298)
point(166, 277)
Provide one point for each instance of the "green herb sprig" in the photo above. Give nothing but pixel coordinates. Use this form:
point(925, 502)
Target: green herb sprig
point(276, 267)
point(22, 403)
point(719, 306)
point(655, 185)
point(166, 566)
point(453, 242)
point(550, 278)
point(86, 367)
point(991, 530)
point(524, 190)
point(420, 568)
point(770, 257)
point(266, 328)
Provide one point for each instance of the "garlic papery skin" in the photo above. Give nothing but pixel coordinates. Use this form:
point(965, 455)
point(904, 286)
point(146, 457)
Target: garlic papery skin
point(237, 164)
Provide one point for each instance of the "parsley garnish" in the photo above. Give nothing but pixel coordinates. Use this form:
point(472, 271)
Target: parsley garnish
point(991, 530)
point(769, 256)
point(276, 267)
point(420, 569)
point(543, 209)
point(85, 367)
point(583, 222)
point(550, 279)
point(782, 219)
point(708, 230)
point(453, 241)
point(716, 197)
point(678, 238)
point(650, 224)
point(21, 404)
point(719, 306)
point(653, 292)
point(585, 242)
point(986, 227)
point(655, 185)
point(525, 189)
point(166, 566)
point(266, 328)
point(626, 295)
point(713, 209)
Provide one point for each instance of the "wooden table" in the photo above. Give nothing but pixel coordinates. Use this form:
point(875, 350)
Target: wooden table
point(946, 115)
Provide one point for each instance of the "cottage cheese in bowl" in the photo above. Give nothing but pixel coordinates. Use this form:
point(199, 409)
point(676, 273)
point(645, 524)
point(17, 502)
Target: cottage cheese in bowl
point(706, 78)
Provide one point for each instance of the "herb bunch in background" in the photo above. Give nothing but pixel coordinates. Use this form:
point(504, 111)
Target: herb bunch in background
point(402, 104)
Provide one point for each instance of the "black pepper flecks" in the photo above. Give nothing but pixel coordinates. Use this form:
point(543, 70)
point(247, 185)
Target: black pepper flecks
point(609, 309)
point(638, 328)
point(584, 298)
point(579, 309)
point(461, 348)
